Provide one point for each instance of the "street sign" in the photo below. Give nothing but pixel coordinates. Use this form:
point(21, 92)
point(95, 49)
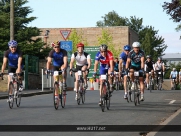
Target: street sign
point(65, 34)
point(66, 45)
point(92, 50)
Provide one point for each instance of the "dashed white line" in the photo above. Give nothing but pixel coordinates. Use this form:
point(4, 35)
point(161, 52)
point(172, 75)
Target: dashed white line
point(171, 102)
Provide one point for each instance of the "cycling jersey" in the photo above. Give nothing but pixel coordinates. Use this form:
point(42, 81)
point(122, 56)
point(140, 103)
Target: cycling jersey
point(159, 66)
point(149, 64)
point(104, 61)
point(116, 68)
point(81, 60)
point(136, 58)
point(173, 74)
point(180, 73)
point(58, 57)
point(123, 56)
point(13, 57)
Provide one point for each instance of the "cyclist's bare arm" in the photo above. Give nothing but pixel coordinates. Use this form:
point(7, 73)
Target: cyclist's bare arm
point(128, 62)
point(142, 62)
point(120, 65)
point(71, 63)
point(89, 63)
point(96, 65)
point(49, 62)
point(5, 60)
point(65, 59)
point(111, 65)
point(19, 65)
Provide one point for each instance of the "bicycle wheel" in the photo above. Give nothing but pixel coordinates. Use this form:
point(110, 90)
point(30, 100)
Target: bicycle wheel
point(103, 104)
point(135, 95)
point(117, 86)
point(18, 97)
point(55, 101)
point(63, 99)
point(108, 99)
point(159, 84)
point(83, 96)
point(78, 97)
point(11, 89)
point(138, 97)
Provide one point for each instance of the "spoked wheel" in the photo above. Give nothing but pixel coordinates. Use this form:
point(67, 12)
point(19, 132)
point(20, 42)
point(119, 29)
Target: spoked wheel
point(103, 102)
point(78, 97)
point(18, 97)
point(138, 97)
point(83, 96)
point(117, 86)
point(130, 95)
point(108, 99)
point(135, 98)
point(55, 100)
point(63, 99)
point(11, 89)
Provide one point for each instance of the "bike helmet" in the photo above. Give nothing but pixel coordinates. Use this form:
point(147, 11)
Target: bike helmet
point(174, 69)
point(55, 43)
point(136, 44)
point(12, 43)
point(127, 48)
point(80, 45)
point(103, 47)
point(148, 56)
point(159, 58)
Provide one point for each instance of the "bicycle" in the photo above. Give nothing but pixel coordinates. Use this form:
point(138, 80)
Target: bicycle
point(150, 82)
point(159, 85)
point(136, 90)
point(14, 94)
point(81, 88)
point(128, 83)
point(116, 80)
point(58, 86)
point(174, 84)
point(105, 93)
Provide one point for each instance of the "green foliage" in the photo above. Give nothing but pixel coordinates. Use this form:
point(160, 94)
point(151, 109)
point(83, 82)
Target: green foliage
point(171, 66)
point(76, 38)
point(151, 43)
point(106, 38)
point(22, 34)
point(173, 9)
point(148, 37)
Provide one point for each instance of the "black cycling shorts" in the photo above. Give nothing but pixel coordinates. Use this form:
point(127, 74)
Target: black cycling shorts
point(148, 70)
point(12, 69)
point(137, 69)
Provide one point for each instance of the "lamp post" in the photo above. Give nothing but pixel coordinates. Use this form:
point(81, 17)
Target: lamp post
point(12, 20)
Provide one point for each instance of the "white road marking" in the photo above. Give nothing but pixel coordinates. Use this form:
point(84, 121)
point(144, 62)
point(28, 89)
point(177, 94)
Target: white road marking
point(171, 102)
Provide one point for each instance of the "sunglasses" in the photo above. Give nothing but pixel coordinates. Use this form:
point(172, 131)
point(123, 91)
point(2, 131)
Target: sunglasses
point(57, 47)
point(103, 51)
point(13, 47)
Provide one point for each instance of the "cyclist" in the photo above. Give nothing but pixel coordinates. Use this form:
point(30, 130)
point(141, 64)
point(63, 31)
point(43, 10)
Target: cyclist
point(83, 62)
point(173, 75)
point(59, 57)
point(122, 65)
point(159, 67)
point(14, 58)
point(105, 58)
point(116, 68)
point(180, 76)
point(135, 61)
point(149, 67)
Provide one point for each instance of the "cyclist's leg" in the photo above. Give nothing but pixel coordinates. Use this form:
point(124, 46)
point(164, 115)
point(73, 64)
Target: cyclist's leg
point(85, 74)
point(10, 70)
point(125, 86)
point(76, 80)
point(131, 72)
point(141, 79)
point(110, 80)
point(147, 79)
point(64, 74)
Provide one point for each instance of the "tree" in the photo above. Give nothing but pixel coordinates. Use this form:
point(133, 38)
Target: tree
point(151, 43)
point(106, 38)
point(148, 37)
point(23, 34)
point(174, 10)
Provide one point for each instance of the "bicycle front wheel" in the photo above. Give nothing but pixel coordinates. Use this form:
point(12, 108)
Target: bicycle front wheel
point(55, 100)
point(11, 91)
point(83, 96)
point(108, 99)
point(18, 97)
point(63, 99)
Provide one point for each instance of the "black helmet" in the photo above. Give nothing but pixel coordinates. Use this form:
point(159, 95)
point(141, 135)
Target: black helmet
point(148, 56)
point(103, 47)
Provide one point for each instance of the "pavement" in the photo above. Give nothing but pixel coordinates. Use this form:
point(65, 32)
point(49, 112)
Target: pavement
point(174, 119)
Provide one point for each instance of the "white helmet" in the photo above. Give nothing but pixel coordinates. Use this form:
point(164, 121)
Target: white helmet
point(136, 44)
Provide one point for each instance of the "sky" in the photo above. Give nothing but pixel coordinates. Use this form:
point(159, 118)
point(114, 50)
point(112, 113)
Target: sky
point(85, 13)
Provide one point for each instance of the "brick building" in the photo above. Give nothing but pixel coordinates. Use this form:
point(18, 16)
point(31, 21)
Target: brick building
point(121, 35)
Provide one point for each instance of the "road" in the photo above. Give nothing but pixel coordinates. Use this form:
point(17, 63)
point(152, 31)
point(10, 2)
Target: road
point(39, 110)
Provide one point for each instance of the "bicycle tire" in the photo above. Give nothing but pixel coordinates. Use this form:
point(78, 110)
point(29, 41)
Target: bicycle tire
point(56, 104)
point(83, 96)
point(18, 97)
point(138, 97)
point(108, 99)
point(130, 95)
point(117, 86)
point(63, 99)
point(103, 104)
point(159, 84)
point(135, 95)
point(78, 97)
point(11, 89)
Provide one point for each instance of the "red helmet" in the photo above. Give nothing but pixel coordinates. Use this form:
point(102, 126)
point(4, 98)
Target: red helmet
point(55, 43)
point(80, 45)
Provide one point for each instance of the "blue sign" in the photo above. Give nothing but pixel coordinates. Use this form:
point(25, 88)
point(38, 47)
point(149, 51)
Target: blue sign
point(66, 45)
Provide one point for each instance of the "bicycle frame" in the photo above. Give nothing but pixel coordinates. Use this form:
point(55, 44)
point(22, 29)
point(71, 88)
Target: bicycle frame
point(136, 91)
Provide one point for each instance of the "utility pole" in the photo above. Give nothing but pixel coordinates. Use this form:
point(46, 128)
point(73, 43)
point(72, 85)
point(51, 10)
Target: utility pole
point(11, 19)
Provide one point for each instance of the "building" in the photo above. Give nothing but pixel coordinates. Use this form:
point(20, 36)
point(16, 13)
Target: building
point(172, 58)
point(122, 35)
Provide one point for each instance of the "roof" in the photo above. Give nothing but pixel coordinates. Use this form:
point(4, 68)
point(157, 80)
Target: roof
point(172, 56)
